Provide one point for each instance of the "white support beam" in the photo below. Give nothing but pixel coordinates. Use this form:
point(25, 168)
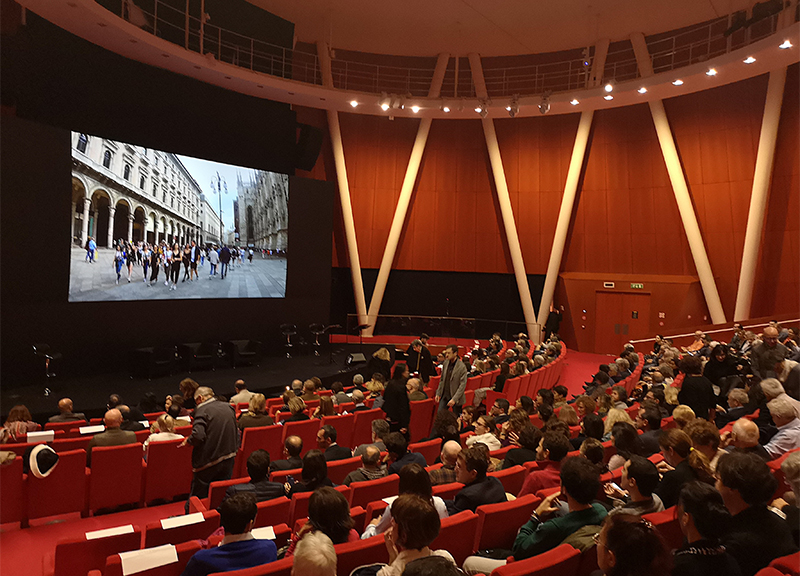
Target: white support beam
point(758, 200)
point(680, 188)
point(504, 200)
point(344, 188)
point(406, 191)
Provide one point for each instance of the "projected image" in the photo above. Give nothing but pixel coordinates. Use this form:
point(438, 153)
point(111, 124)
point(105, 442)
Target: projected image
point(150, 225)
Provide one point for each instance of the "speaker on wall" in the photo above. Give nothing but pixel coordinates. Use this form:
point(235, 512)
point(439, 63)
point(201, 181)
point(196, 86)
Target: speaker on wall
point(309, 143)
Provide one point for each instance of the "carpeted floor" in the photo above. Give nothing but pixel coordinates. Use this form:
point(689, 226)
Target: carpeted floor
point(579, 368)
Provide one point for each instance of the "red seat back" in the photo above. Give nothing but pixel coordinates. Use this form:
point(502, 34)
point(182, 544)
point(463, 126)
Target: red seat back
point(370, 490)
point(562, 560)
point(273, 512)
point(511, 389)
point(362, 428)
point(79, 555)
point(666, 522)
point(351, 555)
point(63, 491)
point(281, 475)
point(217, 490)
point(588, 562)
point(430, 450)
point(155, 535)
point(447, 491)
point(270, 438)
point(299, 506)
point(346, 407)
point(116, 477)
point(511, 478)
point(788, 564)
point(421, 421)
point(339, 469)
point(452, 535)
point(169, 470)
point(67, 444)
point(498, 523)
point(65, 426)
point(281, 567)
point(12, 495)
point(185, 551)
point(306, 429)
point(344, 426)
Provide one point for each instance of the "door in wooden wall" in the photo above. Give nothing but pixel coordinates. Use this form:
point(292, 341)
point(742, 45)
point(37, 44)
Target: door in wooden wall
point(621, 316)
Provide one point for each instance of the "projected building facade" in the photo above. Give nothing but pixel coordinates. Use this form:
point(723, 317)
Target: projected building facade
point(263, 211)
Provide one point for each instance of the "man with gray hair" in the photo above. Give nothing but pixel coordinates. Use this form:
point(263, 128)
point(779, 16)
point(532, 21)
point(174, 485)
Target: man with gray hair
point(314, 556)
point(215, 439)
point(358, 382)
point(358, 399)
point(371, 467)
point(449, 456)
point(414, 387)
point(773, 390)
point(419, 360)
point(737, 400)
point(785, 418)
point(763, 356)
point(743, 437)
point(380, 429)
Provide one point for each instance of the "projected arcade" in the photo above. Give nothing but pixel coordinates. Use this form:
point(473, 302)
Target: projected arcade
point(148, 224)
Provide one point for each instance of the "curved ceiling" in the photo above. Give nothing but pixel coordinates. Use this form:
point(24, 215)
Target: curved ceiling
point(490, 28)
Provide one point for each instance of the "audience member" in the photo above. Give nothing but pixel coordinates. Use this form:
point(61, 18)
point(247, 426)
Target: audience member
point(785, 418)
point(743, 437)
point(292, 448)
point(256, 414)
point(505, 374)
point(499, 411)
point(329, 513)
point(447, 472)
point(568, 416)
point(485, 433)
point(419, 359)
point(527, 443)
point(682, 415)
point(65, 413)
point(188, 388)
point(755, 535)
point(309, 391)
point(397, 448)
point(705, 438)
point(649, 420)
point(339, 396)
point(242, 393)
point(638, 483)
point(773, 389)
point(684, 464)
point(584, 406)
point(381, 363)
point(619, 397)
point(414, 389)
point(238, 549)
point(626, 442)
point(326, 441)
point(313, 475)
point(259, 485)
point(314, 555)
point(615, 415)
point(471, 467)
point(552, 449)
point(380, 429)
point(162, 430)
point(358, 400)
point(628, 545)
point(763, 355)
point(112, 436)
point(789, 503)
point(591, 427)
point(297, 408)
point(326, 408)
point(737, 400)
point(19, 423)
point(697, 392)
point(371, 467)
point(450, 393)
point(395, 400)
point(128, 422)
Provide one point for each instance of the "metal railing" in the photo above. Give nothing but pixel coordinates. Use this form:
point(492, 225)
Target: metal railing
point(439, 326)
point(668, 52)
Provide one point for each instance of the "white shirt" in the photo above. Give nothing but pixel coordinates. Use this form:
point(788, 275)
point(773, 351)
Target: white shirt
point(489, 439)
point(787, 438)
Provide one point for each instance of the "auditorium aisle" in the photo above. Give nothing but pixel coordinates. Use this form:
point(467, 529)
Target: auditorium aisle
point(579, 368)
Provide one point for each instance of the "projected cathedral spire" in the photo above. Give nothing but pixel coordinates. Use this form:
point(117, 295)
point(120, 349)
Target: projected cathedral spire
point(261, 210)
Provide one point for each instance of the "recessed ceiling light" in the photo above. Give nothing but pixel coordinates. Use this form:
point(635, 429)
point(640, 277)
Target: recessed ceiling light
point(677, 82)
point(508, 108)
point(415, 108)
point(445, 108)
point(353, 103)
point(574, 102)
point(711, 72)
point(786, 44)
point(385, 106)
point(608, 97)
point(749, 60)
point(642, 90)
point(478, 109)
point(608, 87)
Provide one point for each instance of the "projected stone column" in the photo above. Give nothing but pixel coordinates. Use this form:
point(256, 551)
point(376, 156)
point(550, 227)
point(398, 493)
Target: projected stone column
point(85, 222)
point(130, 227)
point(111, 210)
point(145, 222)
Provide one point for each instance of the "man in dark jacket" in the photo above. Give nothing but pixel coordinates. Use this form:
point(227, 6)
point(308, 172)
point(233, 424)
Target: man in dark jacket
point(225, 259)
point(326, 441)
point(450, 393)
point(113, 436)
point(479, 488)
point(419, 360)
point(292, 448)
point(65, 413)
point(215, 438)
point(259, 485)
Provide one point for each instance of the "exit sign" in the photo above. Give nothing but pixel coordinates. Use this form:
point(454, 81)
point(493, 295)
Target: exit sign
point(637, 286)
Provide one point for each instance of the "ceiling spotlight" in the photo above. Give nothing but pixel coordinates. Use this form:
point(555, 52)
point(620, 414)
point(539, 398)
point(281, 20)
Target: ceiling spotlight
point(677, 82)
point(711, 72)
point(415, 108)
point(385, 102)
point(478, 108)
point(401, 102)
point(786, 44)
point(513, 106)
point(444, 107)
point(574, 102)
point(353, 103)
point(544, 105)
point(642, 90)
point(609, 87)
point(608, 97)
point(749, 60)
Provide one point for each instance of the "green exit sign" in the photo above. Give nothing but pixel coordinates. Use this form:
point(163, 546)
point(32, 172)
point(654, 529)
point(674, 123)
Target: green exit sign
point(637, 286)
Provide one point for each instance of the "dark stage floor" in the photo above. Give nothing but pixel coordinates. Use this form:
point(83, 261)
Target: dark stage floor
point(90, 393)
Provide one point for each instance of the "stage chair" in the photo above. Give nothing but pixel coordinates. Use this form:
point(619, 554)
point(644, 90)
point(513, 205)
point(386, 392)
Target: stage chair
point(447, 491)
point(270, 438)
point(362, 428)
point(198, 355)
point(344, 425)
point(563, 560)
point(13, 496)
point(666, 522)
point(63, 491)
point(306, 429)
point(339, 469)
point(156, 535)
point(498, 523)
point(168, 471)
point(452, 535)
point(421, 421)
point(185, 551)
point(242, 352)
point(116, 477)
point(430, 450)
point(351, 555)
point(299, 506)
point(362, 493)
point(511, 479)
point(77, 555)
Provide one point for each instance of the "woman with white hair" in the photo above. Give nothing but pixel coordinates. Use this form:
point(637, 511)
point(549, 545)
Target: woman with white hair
point(161, 430)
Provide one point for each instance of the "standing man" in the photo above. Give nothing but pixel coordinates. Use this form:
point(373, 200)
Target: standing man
point(419, 360)
point(553, 322)
point(450, 393)
point(194, 256)
point(764, 356)
point(215, 438)
point(213, 258)
point(224, 258)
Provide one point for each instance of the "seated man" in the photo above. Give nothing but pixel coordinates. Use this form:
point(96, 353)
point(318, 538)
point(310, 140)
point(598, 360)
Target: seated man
point(639, 480)
point(744, 438)
point(128, 423)
point(314, 556)
point(737, 400)
point(755, 536)
point(65, 413)
point(326, 441)
point(372, 468)
point(113, 436)
point(238, 548)
point(358, 400)
point(309, 391)
point(527, 443)
point(449, 456)
point(499, 411)
point(552, 449)
point(380, 429)
point(471, 466)
point(414, 387)
point(580, 481)
point(242, 395)
point(259, 485)
point(397, 447)
point(649, 420)
point(785, 418)
point(339, 397)
point(292, 448)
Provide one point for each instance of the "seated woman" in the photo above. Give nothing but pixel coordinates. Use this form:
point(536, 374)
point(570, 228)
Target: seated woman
point(614, 415)
point(517, 421)
point(683, 464)
point(174, 406)
point(505, 374)
point(325, 408)
point(629, 545)
point(313, 476)
point(485, 433)
point(584, 405)
point(625, 439)
point(19, 423)
point(414, 479)
point(297, 408)
point(619, 396)
point(161, 430)
point(256, 414)
point(329, 513)
point(466, 422)
point(286, 396)
point(188, 387)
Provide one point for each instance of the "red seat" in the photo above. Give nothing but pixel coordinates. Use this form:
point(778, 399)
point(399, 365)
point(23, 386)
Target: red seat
point(588, 562)
point(270, 438)
point(666, 522)
point(788, 564)
point(498, 523)
point(474, 382)
point(344, 426)
point(563, 560)
point(370, 490)
point(299, 506)
point(63, 491)
point(156, 535)
point(116, 477)
point(770, 571)
point(217, 490)
point(421, 421)
point(67, 444)
point(346, 407)
point(511, 478)
point(185, 551)
point(339, 469)
point(306, 429)
point(357, 514)
point(447, 491)
point(452, 535)
point(281, 567)
point(511, 389)
point(273, 512)
point(362, 428)
point(775, 468)
point(142, 435)
point(281, 475)
point(78, 555)
point(168, 471)
point(12, 495)
point(492, 396)
point(374, 510)
point(65, 426)
point(430, 450)
point(351, 555)
point(501, 453)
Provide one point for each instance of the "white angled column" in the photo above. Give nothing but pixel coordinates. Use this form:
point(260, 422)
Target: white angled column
point(344, 188)
point(85, 222)
point(111, 210)
point(758, 199)
point(504, 200)
point(680, 189)
point(130, 228)
point(405, 197)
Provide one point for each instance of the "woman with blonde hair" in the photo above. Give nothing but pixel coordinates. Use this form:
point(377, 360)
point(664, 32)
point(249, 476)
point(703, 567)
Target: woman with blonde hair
point(682, 415)
point(256, 414)
point(381, 362)
point(161, 430)
point(297, 408)
point(684, 465)
point(614, 415)
point(325, 408)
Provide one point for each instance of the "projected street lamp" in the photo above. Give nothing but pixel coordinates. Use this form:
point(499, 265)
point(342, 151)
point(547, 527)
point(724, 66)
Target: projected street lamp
point(218, 187)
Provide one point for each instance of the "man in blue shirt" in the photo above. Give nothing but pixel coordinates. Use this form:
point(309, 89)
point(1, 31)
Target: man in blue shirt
point(238, 548)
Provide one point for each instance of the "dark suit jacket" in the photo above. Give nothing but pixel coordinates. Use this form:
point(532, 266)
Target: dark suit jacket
point(337, 452)
point(408, 458)
point(518, 456)
point(68, 417)
point(697, 392)
point(421, 360)
point(111, 437)
point(395, 403)
point(458, 381)
point(650, 442)
point(360, 408)
point(489, 490)
point(292, 463)
point(755, 537)
point(672, 482)
point(263, 490)
point(215, 435)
